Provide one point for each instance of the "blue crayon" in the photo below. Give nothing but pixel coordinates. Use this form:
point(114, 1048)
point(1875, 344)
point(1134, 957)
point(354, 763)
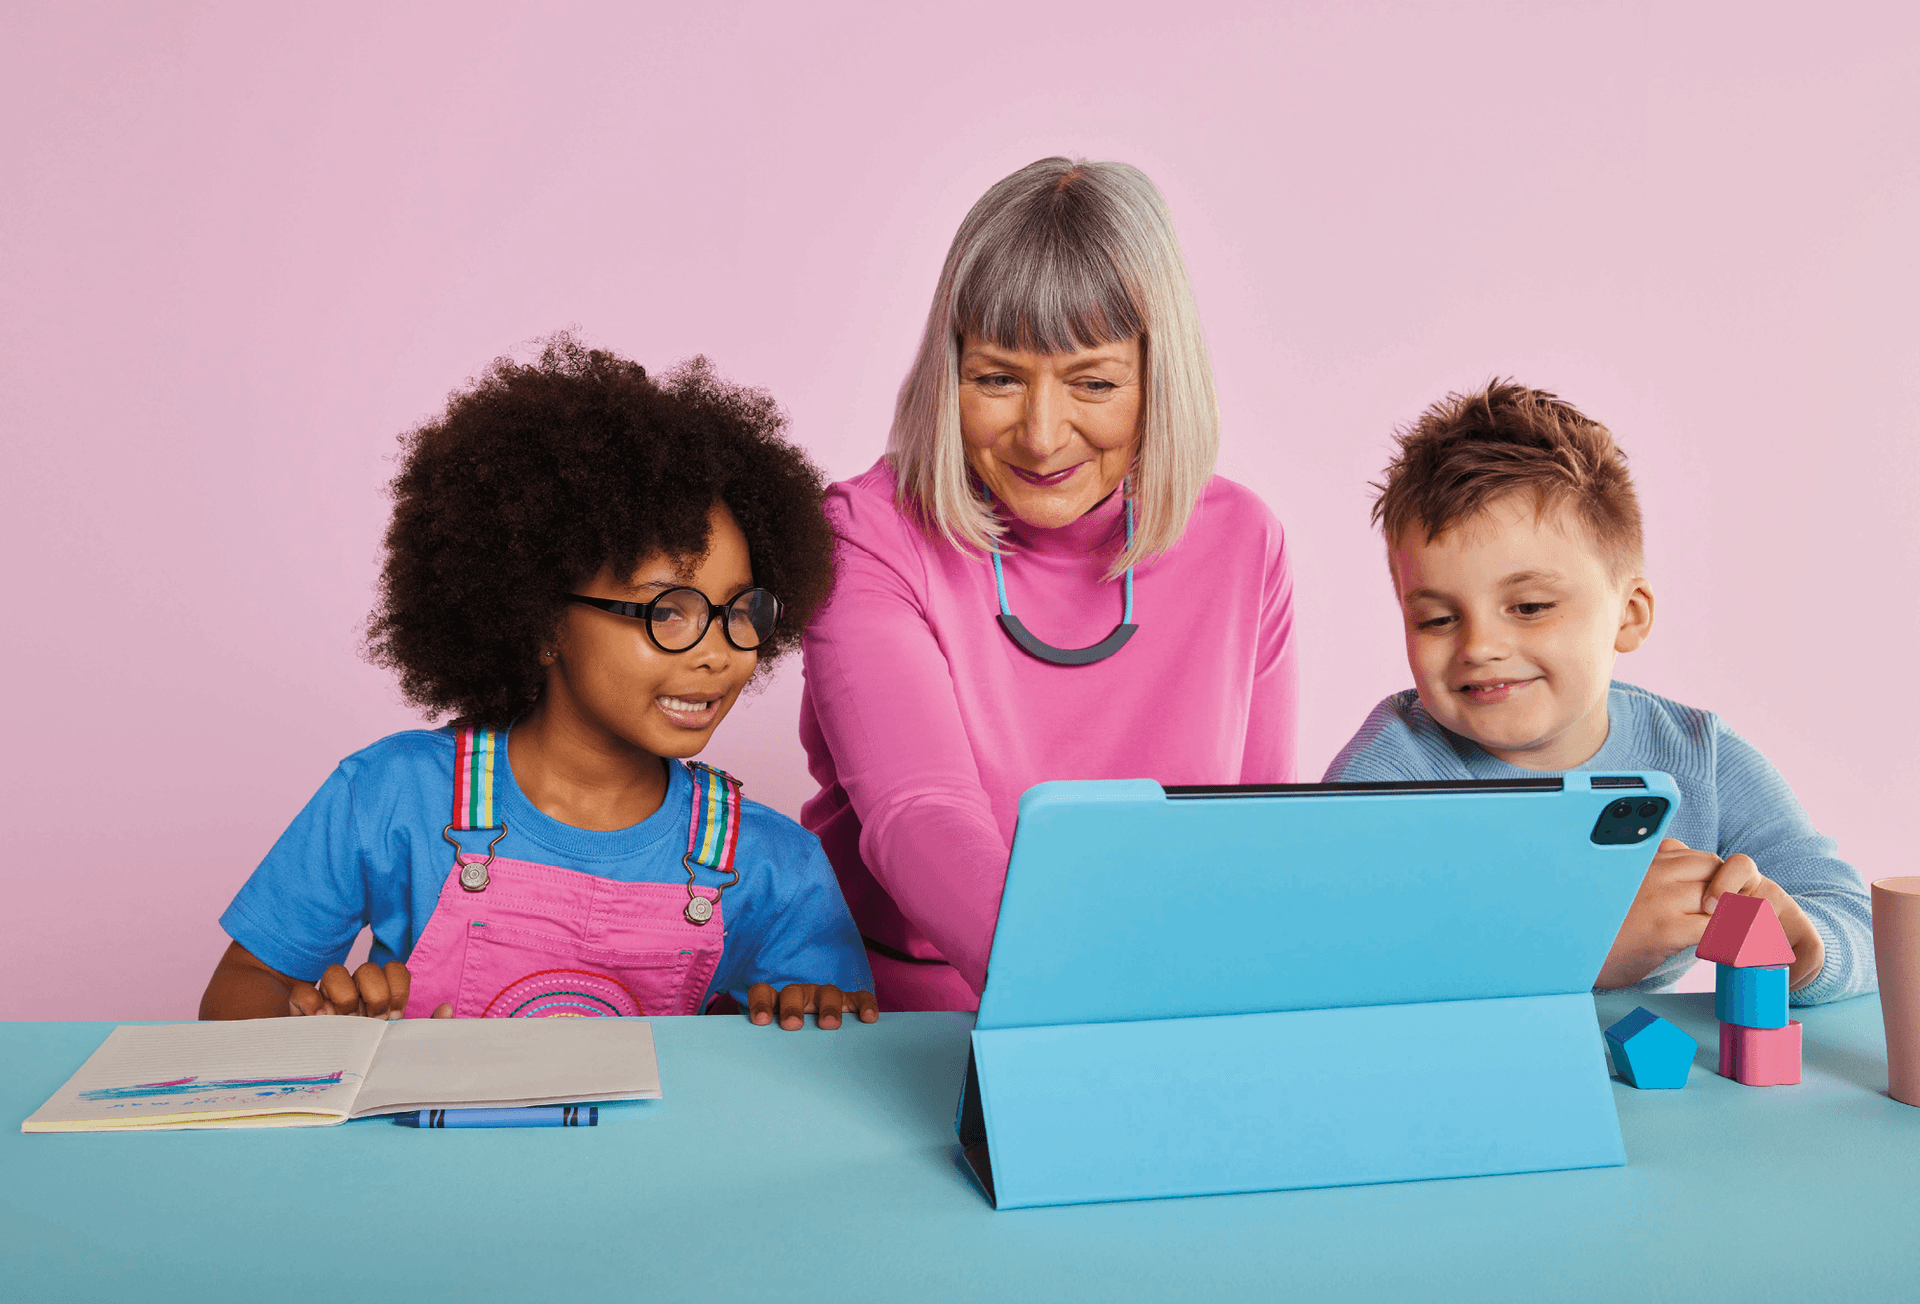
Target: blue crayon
point(531, 1116)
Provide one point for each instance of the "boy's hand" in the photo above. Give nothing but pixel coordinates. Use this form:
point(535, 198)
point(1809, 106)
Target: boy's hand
point(1738, 873)
point(370, 990)
point(796, 1000)
point(1666, 916)
point(1675, 901)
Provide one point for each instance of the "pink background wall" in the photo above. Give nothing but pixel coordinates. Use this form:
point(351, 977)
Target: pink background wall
point(243, 248)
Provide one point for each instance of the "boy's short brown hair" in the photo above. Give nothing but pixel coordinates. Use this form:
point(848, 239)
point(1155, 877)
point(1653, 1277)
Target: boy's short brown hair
point(1470, 450)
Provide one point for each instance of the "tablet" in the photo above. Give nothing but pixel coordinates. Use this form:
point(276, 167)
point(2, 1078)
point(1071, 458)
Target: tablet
point(1201, 990)
point(1125, 900)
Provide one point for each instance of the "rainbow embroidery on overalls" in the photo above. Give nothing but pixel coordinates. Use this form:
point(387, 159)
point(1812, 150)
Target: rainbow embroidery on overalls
point(474, 750)
point(713, 831)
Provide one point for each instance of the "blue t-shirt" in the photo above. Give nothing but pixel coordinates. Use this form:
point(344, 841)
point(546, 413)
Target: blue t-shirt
point(1731, 800)
point(368, 851)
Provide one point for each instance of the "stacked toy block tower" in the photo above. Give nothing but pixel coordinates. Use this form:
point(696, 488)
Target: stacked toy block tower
point(1759, 1044)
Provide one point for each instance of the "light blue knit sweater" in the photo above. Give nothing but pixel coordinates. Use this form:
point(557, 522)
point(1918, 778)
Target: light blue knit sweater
point(1731, 799)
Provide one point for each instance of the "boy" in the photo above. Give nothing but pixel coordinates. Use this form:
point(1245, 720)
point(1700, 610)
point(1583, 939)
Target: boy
point(1513, 540)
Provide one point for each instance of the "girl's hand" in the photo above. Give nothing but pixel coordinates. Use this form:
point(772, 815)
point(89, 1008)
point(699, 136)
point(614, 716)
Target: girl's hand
point(794, 1001)
point(371, 991)
point(244, 986)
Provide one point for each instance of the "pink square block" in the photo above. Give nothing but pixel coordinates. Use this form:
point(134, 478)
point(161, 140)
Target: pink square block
point(1761, 1057)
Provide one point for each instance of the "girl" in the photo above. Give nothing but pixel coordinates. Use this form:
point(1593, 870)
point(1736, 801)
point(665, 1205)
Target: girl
point(585, 567)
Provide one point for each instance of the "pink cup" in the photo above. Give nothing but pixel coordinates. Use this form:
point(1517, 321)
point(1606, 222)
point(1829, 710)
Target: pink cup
point(1896, 954)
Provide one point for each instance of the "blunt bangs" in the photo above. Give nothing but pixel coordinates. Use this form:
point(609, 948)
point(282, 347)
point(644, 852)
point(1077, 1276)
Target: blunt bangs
point(1046, 287)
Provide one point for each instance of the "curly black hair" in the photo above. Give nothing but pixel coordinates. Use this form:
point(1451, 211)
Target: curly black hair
point(538, 476)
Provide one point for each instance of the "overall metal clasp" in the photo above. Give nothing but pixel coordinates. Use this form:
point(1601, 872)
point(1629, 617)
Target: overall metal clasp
point(699, 909)
point(473, 873)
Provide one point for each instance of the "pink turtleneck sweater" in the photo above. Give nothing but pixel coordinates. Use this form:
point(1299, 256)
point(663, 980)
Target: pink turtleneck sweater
point(924, 723)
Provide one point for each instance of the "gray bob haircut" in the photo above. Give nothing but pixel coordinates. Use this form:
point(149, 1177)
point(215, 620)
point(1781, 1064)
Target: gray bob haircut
point(1061, 256)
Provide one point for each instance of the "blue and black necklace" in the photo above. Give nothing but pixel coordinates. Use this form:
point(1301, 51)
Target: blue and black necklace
point(1034, 646)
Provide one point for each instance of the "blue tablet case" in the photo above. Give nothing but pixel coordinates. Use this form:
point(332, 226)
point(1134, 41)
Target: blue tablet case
point(1195, 991)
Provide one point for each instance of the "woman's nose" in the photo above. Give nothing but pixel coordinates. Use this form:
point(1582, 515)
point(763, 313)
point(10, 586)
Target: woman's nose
point(1045, 431)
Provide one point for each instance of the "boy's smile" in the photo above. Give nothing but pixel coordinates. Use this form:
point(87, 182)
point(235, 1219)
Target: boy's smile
point(1485, 692)
point(1513, 622)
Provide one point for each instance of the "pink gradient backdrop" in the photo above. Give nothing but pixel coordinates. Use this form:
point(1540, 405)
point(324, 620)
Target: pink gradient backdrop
point(244, 247)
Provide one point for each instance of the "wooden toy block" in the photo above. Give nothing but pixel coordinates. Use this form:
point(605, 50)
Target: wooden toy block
point(1745, 933)
point(1761, 1057)
point(1649, 1052)
point(1752, 998)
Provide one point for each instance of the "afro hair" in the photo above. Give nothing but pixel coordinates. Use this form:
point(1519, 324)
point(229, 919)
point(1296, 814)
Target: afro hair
point(540, 475)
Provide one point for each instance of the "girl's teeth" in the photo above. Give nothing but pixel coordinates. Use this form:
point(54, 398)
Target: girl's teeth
point(681, 704)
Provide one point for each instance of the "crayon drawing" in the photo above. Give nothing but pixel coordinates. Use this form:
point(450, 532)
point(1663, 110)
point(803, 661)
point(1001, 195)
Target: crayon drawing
point(234, 1088)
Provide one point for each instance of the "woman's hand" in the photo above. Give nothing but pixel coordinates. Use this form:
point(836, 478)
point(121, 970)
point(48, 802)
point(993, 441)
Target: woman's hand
point(372, 991)
point(793, 1002)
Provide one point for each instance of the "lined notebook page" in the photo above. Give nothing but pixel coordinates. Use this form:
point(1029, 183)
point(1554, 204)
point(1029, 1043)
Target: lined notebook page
point(449, 1063)
point(196, 1074)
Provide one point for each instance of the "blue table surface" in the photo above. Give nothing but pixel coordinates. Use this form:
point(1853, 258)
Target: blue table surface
point(794, 1166)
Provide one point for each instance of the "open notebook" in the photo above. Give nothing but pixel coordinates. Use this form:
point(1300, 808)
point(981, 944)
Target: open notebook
point(320, 1071)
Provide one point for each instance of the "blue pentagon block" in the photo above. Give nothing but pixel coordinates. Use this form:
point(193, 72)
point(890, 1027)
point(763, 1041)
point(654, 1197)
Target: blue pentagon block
point(1650, 1052)
point(1751, 998)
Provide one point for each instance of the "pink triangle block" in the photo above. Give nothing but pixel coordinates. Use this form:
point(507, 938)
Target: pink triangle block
point(1745, 933)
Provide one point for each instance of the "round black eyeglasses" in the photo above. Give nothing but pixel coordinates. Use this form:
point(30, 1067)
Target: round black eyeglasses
point(678, 618)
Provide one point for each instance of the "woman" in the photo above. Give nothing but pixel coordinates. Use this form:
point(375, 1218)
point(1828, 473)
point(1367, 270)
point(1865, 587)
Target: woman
point(1042, 579)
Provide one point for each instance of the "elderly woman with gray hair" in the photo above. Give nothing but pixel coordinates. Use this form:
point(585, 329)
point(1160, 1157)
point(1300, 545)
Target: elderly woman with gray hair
point(1042, 579)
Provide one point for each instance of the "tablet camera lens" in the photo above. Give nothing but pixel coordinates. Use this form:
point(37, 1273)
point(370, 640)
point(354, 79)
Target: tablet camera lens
point(1620, 809)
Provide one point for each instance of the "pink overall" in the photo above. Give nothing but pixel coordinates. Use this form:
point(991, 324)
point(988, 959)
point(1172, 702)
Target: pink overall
point(510, 939)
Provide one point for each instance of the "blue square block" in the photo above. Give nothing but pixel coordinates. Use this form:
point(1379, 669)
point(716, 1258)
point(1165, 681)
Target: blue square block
point(1649, 1052)
point(1751, 998)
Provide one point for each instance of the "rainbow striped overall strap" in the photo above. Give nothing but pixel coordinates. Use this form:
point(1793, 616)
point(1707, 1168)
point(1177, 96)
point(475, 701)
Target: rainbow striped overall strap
point(475, 752)
point(713, 831)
